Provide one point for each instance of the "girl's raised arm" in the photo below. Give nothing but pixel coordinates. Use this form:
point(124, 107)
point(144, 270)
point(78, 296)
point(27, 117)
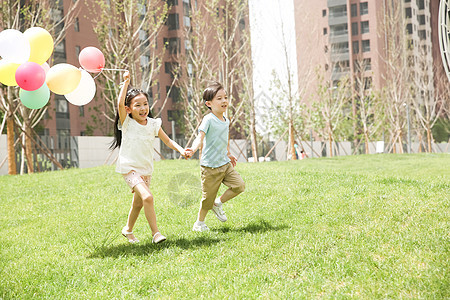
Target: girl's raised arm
point(122, 95)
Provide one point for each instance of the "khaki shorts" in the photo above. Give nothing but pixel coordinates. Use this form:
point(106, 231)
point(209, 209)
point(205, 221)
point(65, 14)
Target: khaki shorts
point(213, 177)
point(133, 178)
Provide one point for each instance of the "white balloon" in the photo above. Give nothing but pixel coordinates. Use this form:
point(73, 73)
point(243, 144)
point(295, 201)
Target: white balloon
point(14, 46)
point(84, 92)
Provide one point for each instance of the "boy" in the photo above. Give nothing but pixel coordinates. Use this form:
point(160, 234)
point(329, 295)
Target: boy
point(217, 163)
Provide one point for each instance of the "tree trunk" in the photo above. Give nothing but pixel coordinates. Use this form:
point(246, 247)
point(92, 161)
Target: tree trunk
point(330, 138)
point(12, 168)
point(429, 138)
point(291, 139)
point(253, 136)
point(29, 150)
point(366, 141)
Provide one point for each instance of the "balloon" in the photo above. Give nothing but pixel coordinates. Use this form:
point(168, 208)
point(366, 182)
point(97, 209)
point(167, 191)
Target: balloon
point(46, 67)
point(30, 76)
point(7, 72)
point(84, 92)
point(41, 43)
point(14, 46)
point(63, 78)
point(35, 99)
point(91, 59)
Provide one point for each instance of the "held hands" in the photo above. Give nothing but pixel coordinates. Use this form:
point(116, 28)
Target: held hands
point(187, 153)
point(233, 159)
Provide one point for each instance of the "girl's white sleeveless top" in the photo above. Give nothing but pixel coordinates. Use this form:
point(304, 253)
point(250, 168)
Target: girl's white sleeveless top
point(136, 151)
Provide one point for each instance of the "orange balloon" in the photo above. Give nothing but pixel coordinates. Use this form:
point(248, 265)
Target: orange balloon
point(63, 78)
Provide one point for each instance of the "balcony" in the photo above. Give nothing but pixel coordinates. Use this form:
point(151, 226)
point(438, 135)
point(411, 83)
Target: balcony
point(332, 3)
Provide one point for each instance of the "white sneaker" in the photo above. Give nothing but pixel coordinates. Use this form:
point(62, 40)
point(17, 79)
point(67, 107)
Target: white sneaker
point(201, 227)
point(220, 214)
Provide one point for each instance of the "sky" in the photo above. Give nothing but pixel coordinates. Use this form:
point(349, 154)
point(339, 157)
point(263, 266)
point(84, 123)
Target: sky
point(268, 20)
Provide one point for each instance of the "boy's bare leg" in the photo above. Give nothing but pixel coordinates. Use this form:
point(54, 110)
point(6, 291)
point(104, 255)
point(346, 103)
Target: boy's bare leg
point(202, 214)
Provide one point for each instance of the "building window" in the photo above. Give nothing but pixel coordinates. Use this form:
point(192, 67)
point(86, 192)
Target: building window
point(325, 31)
point(423, 34)
point(77, 50)
point(367, 82)
point(173, 45)
point(355, 46)
point(325, 49)
point(363, 8)
point(367, 64)
point(81, 108)
point(365, 45)
point(324, 12)
point(407, 1)
point(76, 25)
point(354, 10)
point(174, 115)
point(355, 28)
point(421, 19)
point(338, 30)
point(421, 4)
point(338, 11)
point(242, 24)
point(339, 48)
point(364, 27)
point(173, 22)
point(408, 13)
point(172, 2)
point(174, 94)
point(409, 28)
point(62, 108)
point(171, 68)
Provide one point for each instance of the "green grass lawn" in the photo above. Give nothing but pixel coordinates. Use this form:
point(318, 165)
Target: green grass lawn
point(361, 226)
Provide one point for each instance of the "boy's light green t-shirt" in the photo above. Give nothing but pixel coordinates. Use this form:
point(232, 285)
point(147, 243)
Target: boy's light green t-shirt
point(214, 152)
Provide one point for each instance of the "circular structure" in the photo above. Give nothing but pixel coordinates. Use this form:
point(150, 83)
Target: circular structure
point(444, 34)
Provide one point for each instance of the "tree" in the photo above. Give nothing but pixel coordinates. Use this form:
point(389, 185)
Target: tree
point(397, 77)
point(328, 113)
point(217, 49)
point(128, 40)
point(21, 16)
point(427, 100)
point(365, 102)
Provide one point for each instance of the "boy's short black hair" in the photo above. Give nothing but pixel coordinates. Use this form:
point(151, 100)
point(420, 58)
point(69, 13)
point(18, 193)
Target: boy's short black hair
point(211, 91)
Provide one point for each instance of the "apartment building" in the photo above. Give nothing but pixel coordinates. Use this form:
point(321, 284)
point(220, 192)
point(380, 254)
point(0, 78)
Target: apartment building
point(341, 36)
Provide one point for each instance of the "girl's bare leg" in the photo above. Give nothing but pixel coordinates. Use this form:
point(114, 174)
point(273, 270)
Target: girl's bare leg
point(135, 209)
point(147, 200)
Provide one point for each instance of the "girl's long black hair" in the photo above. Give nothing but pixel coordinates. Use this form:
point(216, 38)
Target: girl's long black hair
point(131, 93)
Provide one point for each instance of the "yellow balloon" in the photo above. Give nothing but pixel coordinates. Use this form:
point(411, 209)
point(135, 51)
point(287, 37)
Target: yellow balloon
point(8, 73)
point(63, 78)
point(41, 43)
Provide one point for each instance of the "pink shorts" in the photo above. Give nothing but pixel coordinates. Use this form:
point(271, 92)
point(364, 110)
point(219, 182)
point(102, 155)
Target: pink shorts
point(133, 178)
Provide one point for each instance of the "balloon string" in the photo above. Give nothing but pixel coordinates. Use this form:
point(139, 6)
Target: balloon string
point(109, 70)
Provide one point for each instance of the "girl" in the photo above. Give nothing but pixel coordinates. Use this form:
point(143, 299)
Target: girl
point(134, 132)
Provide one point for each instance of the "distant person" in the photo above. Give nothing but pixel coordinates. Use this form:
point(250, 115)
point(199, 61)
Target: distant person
point(134, 132)
point(297, 156)
point(302, 154)
point(217, 163)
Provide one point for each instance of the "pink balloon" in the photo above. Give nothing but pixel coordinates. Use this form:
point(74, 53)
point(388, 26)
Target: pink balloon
point(91, 59)
point(30, 76)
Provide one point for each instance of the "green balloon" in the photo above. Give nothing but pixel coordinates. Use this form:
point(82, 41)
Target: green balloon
point(35, 99)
